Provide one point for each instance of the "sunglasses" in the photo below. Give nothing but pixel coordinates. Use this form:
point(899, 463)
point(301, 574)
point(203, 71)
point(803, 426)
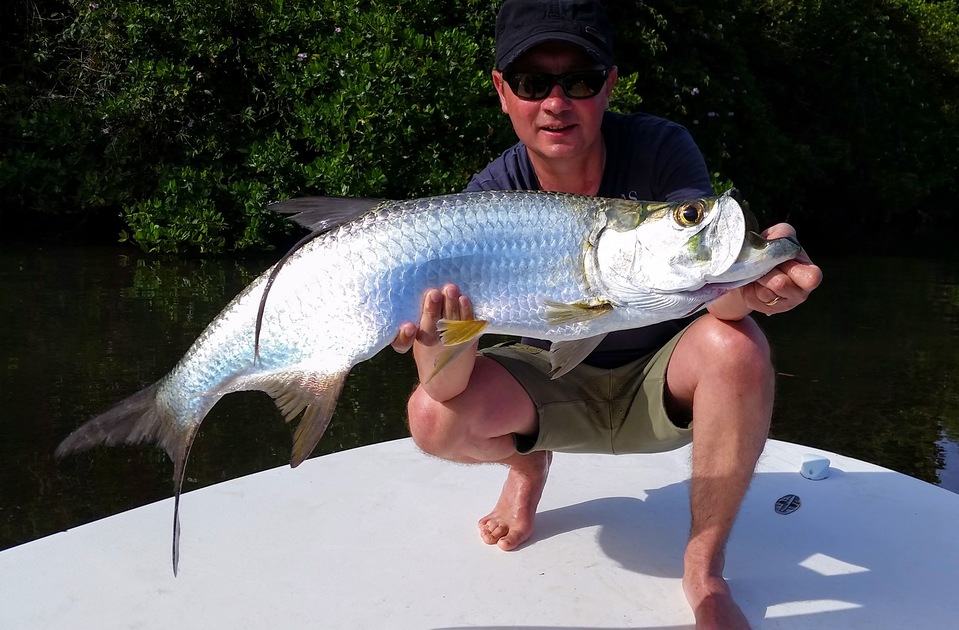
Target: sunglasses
point(535, 86)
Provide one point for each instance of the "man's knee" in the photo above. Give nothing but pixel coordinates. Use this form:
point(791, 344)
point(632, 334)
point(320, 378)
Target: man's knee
point(736, 348)
point(422, 420)
point(735, 339)
point(436, 428)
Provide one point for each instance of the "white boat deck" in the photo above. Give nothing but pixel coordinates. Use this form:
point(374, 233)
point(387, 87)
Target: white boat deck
point(385, 537)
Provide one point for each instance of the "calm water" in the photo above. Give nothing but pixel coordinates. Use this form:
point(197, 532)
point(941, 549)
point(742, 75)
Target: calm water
point(869, 367)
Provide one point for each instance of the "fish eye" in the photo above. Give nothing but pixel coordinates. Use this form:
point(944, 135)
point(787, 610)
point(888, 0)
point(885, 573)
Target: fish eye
point(689, 214)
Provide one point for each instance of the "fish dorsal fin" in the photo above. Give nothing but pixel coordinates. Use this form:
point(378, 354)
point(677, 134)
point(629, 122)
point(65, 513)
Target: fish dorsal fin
point(558, 313)
point(565, 355)
point(179, 455)
point(321, 214)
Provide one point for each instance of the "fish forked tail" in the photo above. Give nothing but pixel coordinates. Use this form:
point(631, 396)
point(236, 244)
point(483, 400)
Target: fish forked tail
point(140, 418)
point(134, 420)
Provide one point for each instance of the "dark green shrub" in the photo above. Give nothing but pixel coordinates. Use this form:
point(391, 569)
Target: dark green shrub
point(191, 116)
point(837, 115)
point(185, 118)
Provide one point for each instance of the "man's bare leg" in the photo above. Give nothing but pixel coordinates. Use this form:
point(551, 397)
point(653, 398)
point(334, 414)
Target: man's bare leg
point(510, 524)
point(731, 399)
point(468, 412)
point(469, 428)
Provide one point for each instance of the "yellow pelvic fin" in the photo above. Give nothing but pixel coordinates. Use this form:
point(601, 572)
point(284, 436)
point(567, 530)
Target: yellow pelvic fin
point(455, 332)
point(447, 357)
point(558, 314)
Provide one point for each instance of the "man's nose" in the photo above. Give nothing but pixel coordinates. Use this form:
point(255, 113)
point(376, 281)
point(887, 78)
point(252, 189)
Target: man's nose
point(556, 100)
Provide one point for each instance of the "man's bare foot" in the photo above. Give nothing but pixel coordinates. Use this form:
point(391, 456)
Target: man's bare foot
point(713, 605)
point(510, 524)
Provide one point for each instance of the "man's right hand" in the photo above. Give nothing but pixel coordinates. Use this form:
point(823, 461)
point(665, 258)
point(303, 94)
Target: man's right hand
point(445, 303)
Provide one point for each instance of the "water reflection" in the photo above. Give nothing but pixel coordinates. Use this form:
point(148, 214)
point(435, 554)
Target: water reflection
point(868, 369)
point(869, 366)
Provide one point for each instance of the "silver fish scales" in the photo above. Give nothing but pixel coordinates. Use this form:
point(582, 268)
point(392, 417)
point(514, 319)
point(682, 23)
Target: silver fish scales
point(554, 266)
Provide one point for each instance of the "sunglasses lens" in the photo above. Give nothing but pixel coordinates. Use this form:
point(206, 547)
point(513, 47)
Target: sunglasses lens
point(534, 86)
point(583, 84)
point(531, 86)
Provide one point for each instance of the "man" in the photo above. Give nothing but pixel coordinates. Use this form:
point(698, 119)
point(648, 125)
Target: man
point(709, 380)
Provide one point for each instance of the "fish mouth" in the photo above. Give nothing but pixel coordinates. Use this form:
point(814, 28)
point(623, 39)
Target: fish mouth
point(756, 258)
point(758, 243)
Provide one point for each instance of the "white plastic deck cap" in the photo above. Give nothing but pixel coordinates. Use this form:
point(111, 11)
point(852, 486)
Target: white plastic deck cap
point(815, 467)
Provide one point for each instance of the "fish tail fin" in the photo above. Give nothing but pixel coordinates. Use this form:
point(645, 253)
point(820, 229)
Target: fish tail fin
point(135, 419)
point(179, 472)
point(140, 419)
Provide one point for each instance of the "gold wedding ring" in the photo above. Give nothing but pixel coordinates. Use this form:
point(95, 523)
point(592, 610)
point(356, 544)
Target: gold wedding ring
point(773, 301)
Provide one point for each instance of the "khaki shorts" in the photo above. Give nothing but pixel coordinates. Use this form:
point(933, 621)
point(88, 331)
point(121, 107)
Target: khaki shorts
point(595, 410)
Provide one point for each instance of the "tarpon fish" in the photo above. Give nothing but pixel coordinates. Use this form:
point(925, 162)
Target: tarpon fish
point(559, 267)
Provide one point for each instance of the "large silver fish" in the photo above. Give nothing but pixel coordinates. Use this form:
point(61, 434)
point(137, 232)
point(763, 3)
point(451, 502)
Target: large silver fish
point(551, 266)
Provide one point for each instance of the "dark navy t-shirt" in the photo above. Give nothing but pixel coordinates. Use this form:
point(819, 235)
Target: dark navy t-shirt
point(647, 158)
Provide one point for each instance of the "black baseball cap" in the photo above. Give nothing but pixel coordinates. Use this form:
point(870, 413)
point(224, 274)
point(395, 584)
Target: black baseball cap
point(522, 24)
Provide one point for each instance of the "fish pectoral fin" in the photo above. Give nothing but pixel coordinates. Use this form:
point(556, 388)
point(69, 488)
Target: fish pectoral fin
point(455, 332)
point(663, 301)
point(565, 355)
point(558, 313)
point(313, 394)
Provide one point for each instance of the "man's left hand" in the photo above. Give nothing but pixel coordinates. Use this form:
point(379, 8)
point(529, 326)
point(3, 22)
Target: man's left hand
point(788, 285)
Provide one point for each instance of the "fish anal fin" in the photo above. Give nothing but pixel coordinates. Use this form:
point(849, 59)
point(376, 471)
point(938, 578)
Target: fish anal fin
point(559, 314)
point(455, 332)
point(314, 395)
point(565, 355)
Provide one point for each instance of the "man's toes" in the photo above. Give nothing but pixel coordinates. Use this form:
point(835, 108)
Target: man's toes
point(492, 532)
point(510, 541)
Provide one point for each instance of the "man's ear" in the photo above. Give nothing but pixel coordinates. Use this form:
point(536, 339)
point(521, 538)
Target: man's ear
point(500, 86)
point(611, 81)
